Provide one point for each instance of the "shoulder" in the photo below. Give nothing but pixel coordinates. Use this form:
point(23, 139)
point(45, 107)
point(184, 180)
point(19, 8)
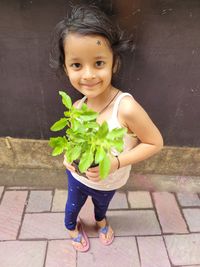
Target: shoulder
point(130, 112)
point(128, 106)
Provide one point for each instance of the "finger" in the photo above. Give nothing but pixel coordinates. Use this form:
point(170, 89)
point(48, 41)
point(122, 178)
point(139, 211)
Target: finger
point(69, 166)
point(92, 174)
point(66, 163)
point(94, 169)
point(94, 179)
point(70, 169)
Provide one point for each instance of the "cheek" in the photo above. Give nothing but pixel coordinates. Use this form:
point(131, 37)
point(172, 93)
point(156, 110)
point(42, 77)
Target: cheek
point(73, 76)
point(106, 74)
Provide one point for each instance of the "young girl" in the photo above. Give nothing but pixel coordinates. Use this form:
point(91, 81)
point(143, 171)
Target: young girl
point(89, 52)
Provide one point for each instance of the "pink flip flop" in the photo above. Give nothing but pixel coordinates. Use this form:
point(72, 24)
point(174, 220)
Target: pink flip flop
point(104, 230)
point(78, 239)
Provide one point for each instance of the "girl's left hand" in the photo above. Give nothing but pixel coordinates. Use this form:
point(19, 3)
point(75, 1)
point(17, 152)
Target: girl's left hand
point(93, 173)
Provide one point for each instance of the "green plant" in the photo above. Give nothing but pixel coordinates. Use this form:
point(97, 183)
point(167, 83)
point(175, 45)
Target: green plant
point(85, 140)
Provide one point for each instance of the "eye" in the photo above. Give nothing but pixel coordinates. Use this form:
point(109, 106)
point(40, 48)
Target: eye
point(99, 63)
point(76, 66)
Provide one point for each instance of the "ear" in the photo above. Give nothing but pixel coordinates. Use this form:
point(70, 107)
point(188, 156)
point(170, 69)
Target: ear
point(116, 65)
point(65, 70)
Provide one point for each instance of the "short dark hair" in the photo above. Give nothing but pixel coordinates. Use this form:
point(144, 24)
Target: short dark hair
point(88, 20)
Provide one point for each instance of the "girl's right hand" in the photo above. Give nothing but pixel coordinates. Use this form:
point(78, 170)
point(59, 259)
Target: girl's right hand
point(69, 166)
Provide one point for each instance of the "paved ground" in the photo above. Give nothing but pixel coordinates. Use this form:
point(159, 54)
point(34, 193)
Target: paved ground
point(157, 229)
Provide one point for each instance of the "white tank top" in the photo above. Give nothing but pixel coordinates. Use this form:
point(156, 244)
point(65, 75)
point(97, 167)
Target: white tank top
point(119, 177)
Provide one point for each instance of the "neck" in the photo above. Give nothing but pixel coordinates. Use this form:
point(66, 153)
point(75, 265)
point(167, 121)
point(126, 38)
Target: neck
point(97, 102)
point(103, 103)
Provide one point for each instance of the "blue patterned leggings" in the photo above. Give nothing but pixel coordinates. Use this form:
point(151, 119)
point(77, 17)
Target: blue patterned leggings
point(77, 195)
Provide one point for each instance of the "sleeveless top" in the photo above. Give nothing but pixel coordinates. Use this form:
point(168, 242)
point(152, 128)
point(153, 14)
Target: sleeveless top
point(118, 178)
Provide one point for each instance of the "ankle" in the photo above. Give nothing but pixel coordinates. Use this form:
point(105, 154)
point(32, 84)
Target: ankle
point(73, 233)
point(102, 223)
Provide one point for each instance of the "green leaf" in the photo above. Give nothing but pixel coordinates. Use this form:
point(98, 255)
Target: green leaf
point(59, 144)
point(59, 125)
point(86, 161)
point(92, 125)
point(57, 150)
point(103, 130)
point(118, 144)
point(104, 167)
point(75, 153)
point(100, 154)
point(68, 153)
point(84, 107)
point(68, 157)
point(55, 141)
point(116, 133)
point(75, 125)
point(67, 114)
point(88, 115)
point(66, 100)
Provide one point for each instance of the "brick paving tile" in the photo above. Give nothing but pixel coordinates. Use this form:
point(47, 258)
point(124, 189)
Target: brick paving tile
point(188, 199)
point(153, 252)
point(124, 222)
point(39, 201)
point(43, 225)
point(11, 211)
point(119, 201)
point(59, 200)
point(123, 252)
point(139, 199)
point(1, 190)
point(192, 217)
point(22, 254)
point(183, 249)
point(169, 214)
point(60, 253)
point(134, 222)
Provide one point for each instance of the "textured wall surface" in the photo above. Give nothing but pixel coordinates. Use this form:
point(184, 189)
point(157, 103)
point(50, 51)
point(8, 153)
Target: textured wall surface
point(162, 74)
point(33, 154)
point(28, 162)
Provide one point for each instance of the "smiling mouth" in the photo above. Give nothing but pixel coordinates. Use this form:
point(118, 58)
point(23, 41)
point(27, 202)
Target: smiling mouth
point(89, 85)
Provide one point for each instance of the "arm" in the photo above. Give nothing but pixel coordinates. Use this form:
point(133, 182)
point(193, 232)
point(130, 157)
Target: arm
point(136, 120)
point(132, 116)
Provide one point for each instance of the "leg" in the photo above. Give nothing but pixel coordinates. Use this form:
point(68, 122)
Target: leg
point(75, 201)
point(101, 202)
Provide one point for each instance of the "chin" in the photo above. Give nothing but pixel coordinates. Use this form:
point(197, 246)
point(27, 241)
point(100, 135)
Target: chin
point(90, 92)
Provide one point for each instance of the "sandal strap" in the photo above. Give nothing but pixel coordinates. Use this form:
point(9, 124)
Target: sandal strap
point(78, 238)
point(104, 230)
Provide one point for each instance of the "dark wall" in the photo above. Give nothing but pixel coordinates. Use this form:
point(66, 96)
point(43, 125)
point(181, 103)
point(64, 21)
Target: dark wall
point(163, 74)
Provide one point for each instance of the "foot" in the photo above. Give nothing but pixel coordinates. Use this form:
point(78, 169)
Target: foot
point(79, 241)
point(106, 234)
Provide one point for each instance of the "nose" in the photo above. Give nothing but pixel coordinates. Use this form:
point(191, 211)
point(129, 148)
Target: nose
point(88, 73)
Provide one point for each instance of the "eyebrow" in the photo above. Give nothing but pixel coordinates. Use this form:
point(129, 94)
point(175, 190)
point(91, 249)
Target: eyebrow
point(101, 57)
point(74, 59)
point(78, 59)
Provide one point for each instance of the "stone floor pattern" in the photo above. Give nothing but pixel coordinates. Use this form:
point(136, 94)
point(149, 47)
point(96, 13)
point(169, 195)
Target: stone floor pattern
point(153, 229)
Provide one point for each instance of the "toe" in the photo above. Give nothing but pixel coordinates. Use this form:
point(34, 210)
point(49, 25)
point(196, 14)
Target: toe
point(79, 245)
point(83, 242)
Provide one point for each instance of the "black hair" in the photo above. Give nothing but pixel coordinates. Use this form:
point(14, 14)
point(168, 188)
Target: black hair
point(88, 20)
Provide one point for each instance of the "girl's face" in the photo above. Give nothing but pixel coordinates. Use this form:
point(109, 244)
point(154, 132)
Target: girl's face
point(88, 63)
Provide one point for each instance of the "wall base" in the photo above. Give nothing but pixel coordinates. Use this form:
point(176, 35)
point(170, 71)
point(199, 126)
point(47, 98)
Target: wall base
point(26, 162)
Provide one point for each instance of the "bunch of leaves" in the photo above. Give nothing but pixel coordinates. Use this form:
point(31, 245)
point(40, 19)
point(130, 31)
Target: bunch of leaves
point(85, 140)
